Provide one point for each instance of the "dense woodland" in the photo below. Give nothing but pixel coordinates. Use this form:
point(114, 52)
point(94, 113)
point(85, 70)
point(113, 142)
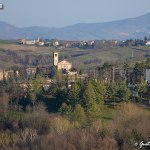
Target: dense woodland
point(73, 118)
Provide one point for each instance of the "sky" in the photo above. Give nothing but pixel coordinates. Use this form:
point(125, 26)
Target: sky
point(61, 13)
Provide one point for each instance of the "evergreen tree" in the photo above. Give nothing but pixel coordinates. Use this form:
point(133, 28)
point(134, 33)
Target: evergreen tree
point(81, 87)
point(126, 68)
point(93, 112)
point(37, 88)
point(57, 92)
point(15, 75)
point(141, 87)
point(79, 114)
point(113, 92)
point(66, 81)
point(148, 62)
point(145, 38)
point(73, 95)
point(100, 91)
point(65, 109)
point(89, 96)
point(81, 72)
point(20, 74)
point(124, 92)
point(38, 71)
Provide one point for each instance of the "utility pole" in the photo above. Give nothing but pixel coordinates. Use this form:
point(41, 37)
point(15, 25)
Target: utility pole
point(132, 53)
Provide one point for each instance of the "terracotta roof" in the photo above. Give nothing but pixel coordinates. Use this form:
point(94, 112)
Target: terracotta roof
point(33, 69)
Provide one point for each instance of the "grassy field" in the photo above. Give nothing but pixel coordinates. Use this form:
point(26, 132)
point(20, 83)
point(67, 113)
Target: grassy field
point(86, 66)
point(111, 55)
point(124, 54)
point(8, 42)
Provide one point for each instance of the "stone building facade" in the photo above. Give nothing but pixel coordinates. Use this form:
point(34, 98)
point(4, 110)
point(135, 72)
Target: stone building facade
point(62, 66)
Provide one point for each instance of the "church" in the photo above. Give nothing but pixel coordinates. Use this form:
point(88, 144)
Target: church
point(62, 66)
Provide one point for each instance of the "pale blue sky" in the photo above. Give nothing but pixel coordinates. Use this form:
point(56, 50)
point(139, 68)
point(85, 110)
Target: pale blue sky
point(60, 13)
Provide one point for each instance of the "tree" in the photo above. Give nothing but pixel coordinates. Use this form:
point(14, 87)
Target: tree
point(36, 86)
point(140, 67)
point(145, 38)
point(57, 92)
point(113, 92)
point(100, 91)
point(107, 71)
point(38, 71)
point(148, 62)
point(124, 92)
point(10, 92)
point(141, 87)
point(15, 93)
point(93, 112)
point(15, 75)
point(81, 72)
point(126, 67)
point(73, 95)
point(4, 100)
point(79, 114)
point(66, 81)
point(73, 69)
point(89, 96)
point(33, 98)
point(65, 109)
point(58, 79)
point(20, 74)
point(4, 79)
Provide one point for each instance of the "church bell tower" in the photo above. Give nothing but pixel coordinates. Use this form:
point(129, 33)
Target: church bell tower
point(55, 58)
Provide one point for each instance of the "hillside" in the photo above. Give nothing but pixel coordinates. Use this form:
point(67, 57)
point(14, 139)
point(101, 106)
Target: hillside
point(13, 54)
point(122, 29)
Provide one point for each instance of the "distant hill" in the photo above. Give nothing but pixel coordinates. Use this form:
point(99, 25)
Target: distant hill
point(119, 30)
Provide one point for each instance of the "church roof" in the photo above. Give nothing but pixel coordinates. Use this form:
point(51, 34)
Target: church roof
point(64, 62)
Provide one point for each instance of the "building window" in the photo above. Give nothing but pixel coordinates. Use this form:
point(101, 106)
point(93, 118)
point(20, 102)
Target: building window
point(55, 54)
point(64, 66)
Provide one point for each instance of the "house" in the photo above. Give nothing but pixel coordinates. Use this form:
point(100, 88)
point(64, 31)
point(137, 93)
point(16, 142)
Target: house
point(21, 41)
point(148, 43)
point(148, 75)
point(31, 71)
point(46, 84)
point(7, 74)
point(30, 42)
point(40, 43)
point(1, 74)
point(55, 43)
point(90, 42)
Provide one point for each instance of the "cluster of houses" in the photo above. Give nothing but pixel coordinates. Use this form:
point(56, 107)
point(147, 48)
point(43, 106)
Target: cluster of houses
point(30, 42)
point(54, 43)
point(64, 67)
point(61, 44)
point(7, 74)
